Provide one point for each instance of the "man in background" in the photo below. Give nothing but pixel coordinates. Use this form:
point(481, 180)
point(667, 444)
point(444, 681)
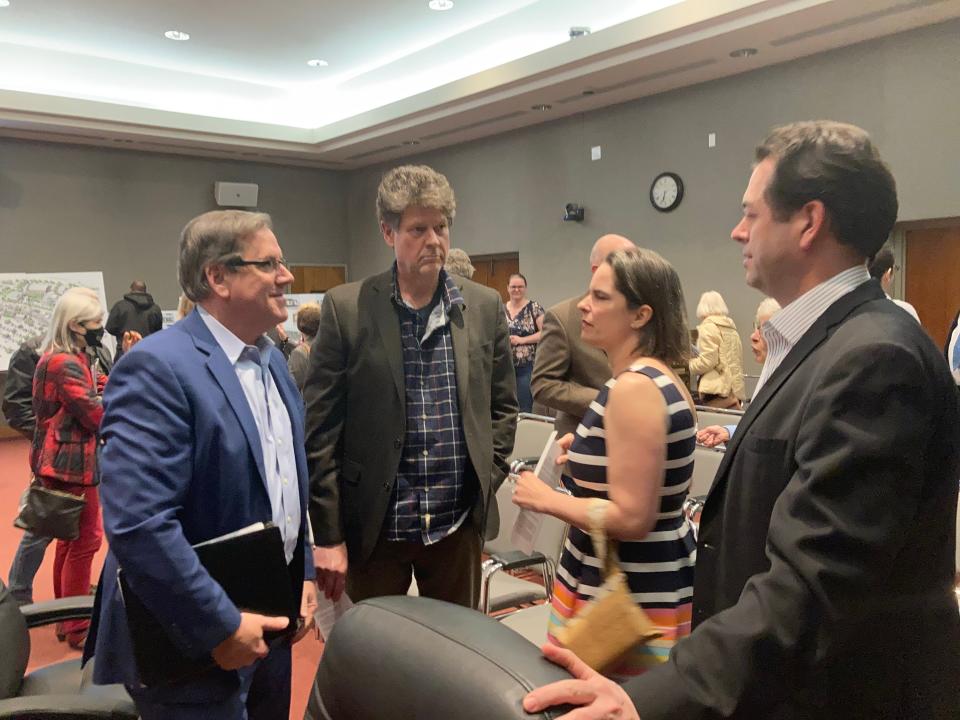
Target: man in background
point(568, 373)
point(881, 267)
point(135, 312)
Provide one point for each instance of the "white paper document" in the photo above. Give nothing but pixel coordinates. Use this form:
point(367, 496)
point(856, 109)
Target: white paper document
point(328, 612)
point(526, 529)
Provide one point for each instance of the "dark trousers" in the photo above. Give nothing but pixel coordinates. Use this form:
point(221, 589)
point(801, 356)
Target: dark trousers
point(264, 694)
point(446, 570)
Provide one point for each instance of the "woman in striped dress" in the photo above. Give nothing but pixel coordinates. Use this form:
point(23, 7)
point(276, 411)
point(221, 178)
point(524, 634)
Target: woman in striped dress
point(634, 447)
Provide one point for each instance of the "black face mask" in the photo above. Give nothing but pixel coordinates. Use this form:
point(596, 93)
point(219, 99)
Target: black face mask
point(93, 336)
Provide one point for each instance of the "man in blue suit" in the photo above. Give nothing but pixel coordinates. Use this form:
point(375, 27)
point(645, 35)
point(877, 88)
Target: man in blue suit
point(203, 433)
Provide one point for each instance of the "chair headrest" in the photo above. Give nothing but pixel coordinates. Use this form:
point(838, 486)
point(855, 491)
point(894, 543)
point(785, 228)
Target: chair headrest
point(413, 657)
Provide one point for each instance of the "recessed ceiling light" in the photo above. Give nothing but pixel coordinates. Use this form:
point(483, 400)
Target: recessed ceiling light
point(542, 107)
point(317, 62)
point(743, 52)
point(176, 35)
point(440, 4)
point(4, 3)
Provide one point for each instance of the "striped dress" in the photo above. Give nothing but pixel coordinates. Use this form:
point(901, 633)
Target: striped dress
point(659, 568)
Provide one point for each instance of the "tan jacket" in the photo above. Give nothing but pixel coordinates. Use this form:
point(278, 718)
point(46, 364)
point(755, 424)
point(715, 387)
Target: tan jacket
point(567, 373)
point(720, 362)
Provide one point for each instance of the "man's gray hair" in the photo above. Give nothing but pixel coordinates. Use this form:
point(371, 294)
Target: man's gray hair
point(213, 237)
point(414, 186)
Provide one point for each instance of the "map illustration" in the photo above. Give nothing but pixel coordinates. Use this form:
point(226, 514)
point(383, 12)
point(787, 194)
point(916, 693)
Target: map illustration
point(27, 301)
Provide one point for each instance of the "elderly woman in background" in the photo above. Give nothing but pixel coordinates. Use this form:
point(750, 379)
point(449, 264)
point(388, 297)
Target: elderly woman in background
point(68, 407)
point(458, 263)
point(525, 322)
point(714, 435)
point(720, 362)
point(308, 322)
point(633, 451)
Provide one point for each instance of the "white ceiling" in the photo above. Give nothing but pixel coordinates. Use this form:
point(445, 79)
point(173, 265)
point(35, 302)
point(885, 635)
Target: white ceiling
point(401, 78)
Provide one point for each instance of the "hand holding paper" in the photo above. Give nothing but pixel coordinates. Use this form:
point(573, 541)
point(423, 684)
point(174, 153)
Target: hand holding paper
point(529, 494)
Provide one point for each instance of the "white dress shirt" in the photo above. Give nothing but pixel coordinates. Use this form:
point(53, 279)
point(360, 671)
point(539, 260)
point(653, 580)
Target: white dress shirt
point(785, 328)
point(251, 363)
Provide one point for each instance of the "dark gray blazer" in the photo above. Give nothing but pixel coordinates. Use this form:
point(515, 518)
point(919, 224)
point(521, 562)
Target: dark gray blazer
point(825, 561)
point(356, 416)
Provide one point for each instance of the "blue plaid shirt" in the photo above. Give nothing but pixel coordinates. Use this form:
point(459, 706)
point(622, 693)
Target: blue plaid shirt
point(430, 498)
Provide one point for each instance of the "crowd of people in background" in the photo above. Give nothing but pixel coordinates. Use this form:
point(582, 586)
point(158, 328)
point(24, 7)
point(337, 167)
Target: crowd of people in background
point(376, 444)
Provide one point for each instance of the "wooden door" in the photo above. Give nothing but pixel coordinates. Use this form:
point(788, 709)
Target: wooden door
point(932, 277)
point(494, 271)
point(317, 278)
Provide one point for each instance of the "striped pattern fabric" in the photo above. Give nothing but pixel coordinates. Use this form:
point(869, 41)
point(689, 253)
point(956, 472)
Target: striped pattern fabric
point(784, 329)
point(659, 568)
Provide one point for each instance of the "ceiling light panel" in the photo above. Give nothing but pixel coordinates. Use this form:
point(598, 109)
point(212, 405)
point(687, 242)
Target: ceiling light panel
point(178, 35)
point(119, 44)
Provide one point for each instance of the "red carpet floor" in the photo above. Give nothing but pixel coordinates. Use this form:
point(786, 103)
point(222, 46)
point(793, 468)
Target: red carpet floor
point(45, 649)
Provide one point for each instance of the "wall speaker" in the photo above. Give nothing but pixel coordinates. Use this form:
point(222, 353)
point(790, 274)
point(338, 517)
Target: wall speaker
point(236, 195)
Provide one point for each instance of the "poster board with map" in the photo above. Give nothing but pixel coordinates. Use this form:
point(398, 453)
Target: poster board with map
point(27, 301)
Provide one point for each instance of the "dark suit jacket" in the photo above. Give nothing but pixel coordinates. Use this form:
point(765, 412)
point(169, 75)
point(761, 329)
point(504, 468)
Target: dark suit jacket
point(356, 417)
point(825, 558)
point(567, 373)
point(182, 464)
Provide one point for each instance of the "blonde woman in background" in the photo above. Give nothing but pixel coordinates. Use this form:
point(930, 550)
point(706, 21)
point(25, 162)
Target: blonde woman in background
point(714, 435)
point(720, 362)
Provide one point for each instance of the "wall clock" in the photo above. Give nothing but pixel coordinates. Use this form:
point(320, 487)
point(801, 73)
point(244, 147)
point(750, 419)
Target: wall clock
point(666, 192)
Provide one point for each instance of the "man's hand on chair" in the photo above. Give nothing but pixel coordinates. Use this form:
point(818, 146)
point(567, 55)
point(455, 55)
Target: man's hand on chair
point(597, 697)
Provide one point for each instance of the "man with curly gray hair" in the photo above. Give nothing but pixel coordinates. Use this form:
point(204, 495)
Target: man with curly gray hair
point(411, 411)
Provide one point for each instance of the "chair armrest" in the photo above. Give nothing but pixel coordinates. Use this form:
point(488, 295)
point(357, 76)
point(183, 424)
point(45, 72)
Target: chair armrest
point(65, 707)
point(54, 611)
point(513, 560)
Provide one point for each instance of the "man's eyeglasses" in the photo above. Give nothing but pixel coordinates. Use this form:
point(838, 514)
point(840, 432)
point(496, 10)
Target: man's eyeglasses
point(267, 265)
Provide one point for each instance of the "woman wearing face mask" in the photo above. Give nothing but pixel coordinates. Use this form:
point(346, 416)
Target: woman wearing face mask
point(68, 408)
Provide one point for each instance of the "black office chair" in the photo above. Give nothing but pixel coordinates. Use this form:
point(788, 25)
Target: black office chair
point(62, 690)
point(414, 658)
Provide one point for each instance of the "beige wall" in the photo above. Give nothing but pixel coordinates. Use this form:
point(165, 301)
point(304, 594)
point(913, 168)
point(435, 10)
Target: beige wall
point(75, 208)
point(67, 208)
point(511, 189)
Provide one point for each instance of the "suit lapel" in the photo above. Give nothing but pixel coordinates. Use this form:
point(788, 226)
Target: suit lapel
point(810, 341)
point(389, 330)
point(226, 377)
point(460, 334)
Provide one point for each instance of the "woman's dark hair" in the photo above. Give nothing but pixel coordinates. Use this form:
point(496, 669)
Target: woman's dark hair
point(519, 275)
point(643, 277)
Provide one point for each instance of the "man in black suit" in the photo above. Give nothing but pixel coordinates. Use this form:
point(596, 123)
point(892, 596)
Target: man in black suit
point(825, 565)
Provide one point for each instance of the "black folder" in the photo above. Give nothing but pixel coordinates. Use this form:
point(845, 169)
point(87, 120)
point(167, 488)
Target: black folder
point(251, 568)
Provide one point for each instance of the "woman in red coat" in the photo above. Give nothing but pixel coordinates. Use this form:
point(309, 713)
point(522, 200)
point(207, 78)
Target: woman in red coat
point(68, 407)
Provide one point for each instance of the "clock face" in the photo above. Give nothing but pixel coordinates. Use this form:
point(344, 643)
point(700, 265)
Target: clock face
point(666, 191)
